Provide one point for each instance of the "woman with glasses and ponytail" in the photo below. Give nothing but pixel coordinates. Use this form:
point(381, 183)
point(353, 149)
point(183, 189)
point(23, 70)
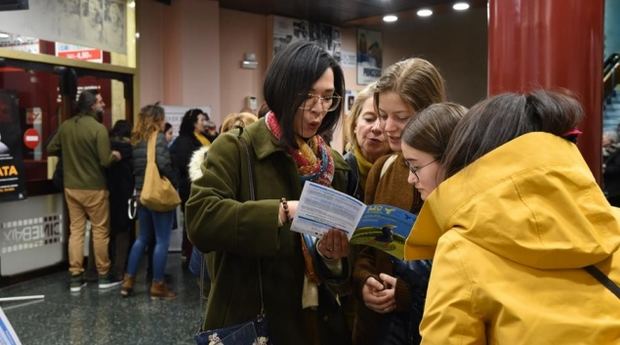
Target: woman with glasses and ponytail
point(248, 241)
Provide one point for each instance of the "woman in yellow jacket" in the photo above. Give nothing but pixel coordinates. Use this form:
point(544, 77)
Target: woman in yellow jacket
point(514, 227)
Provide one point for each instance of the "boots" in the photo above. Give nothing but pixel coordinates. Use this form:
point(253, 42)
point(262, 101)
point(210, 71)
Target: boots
point(127, 287)
point(159, 290)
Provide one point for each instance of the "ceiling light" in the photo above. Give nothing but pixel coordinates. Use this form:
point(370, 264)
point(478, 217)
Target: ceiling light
point(131, 4)
point(3, 35)
point(390, 18)
point(460, 6)
point(424, 12)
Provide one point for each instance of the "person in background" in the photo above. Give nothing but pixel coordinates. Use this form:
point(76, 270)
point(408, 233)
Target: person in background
point(366, 139)
point(168, 133)
point(151, 119)
point(85, 147)
point(519, 229)
point(244, 238)
point(191, 138)
point(120, 184)
point(384, 314)
point(211, 130)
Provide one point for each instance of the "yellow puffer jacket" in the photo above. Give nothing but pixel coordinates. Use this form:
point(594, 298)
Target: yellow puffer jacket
point(511, 234)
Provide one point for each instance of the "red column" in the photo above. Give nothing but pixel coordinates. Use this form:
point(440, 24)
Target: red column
point(551, 44)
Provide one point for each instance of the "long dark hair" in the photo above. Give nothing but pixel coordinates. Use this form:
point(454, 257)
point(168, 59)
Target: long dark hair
point(497, 120)
point(189, 120)
point(289, 79)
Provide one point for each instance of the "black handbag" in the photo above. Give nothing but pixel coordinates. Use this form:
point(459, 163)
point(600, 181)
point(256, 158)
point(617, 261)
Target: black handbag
point(253, 332)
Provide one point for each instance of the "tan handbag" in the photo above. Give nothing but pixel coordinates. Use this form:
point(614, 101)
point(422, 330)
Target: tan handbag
point(158, 194)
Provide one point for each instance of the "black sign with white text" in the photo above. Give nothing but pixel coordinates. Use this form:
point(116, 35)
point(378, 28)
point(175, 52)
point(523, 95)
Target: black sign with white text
point(11, 163)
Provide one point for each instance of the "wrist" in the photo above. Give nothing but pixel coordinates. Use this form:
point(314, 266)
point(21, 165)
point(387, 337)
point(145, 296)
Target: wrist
point(283, 214)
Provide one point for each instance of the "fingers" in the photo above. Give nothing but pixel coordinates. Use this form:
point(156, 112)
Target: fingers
point(334, 244)
point(374, 284)
point(380, 297)
point(388, 280)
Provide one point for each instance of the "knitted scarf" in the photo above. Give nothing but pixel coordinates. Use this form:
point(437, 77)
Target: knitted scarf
point(363, 165)
point(313, 158)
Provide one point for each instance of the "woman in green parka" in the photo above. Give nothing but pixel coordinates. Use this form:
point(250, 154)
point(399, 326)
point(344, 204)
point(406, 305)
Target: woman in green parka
point(303, 89)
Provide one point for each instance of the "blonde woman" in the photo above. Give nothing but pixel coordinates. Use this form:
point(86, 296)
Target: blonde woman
point(385, 315)
point(151, 119)
point(367, 140)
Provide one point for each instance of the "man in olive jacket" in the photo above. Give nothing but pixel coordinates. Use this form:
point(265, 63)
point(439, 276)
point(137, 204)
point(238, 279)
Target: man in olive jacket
point(84, 145)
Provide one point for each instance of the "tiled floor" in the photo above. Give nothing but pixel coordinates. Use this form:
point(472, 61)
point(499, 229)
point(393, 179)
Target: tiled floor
point(94, 317)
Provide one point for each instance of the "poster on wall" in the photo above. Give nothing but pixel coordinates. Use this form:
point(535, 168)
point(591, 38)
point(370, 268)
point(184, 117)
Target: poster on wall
point(89, 23)
point(288, 30)
point(369, 56)
point(11, 163)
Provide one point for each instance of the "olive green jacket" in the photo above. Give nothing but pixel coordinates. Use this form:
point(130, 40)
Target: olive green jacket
point(84, 145)
point(237, 233)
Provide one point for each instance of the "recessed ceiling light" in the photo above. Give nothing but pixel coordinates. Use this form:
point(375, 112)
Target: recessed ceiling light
point(390, 18)
point(460, 6)
point(424, 12)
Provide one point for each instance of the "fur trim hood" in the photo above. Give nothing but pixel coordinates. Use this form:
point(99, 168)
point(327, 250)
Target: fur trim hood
point(195, 164)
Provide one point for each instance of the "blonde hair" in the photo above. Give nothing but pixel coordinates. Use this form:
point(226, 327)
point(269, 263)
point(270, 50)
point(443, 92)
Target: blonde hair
point(233, 120)
point(356, 111)
point(415, 80)
point(149, 120)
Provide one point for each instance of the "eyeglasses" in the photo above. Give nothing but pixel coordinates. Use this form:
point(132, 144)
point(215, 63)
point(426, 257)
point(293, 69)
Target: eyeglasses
point(415, 170)
point(329, 103)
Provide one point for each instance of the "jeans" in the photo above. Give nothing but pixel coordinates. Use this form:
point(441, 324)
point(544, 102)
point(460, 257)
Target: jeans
point(152, 223)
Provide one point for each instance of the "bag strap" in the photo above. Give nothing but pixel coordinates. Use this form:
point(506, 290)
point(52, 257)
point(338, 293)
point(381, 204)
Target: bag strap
point(150, 148)
point(253, 197)
point(202, 266)
point(603, 279)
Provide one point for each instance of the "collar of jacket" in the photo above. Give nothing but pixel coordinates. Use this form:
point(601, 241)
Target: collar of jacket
point(532, 200)
point(264, 143)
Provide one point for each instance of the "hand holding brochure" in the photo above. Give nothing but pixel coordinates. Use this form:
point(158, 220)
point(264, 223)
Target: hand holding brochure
point(383, 227)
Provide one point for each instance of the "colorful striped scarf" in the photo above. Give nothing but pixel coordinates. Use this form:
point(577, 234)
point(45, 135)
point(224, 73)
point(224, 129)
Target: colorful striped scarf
point(313, 157)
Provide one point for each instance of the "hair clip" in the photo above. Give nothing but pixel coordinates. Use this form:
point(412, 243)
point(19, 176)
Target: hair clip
point(572, 135)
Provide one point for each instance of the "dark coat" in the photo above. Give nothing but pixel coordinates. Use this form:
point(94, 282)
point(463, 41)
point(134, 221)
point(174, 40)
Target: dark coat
point(162, 158)
point(120, 184)
point(237, 234)
point(391, 189)
point(181, 153)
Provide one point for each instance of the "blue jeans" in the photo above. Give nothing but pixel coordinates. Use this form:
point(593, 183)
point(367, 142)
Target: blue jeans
point(152, 223)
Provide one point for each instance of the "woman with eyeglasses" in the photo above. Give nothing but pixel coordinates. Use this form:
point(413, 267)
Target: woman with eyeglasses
point(245, 238)
point(391, 307)
point(424, 142)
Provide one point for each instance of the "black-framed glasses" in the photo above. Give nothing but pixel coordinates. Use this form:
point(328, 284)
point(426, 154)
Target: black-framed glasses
point(414, 170)
point(328, 103)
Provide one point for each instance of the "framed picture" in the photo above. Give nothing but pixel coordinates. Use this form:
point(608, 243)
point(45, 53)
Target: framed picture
point(369, 56)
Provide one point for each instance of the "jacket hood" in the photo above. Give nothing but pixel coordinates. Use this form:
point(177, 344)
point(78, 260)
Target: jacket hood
point(195, 163)
point(533, 200)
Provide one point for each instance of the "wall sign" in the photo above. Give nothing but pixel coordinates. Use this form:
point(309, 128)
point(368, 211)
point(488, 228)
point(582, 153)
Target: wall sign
point(11, 164)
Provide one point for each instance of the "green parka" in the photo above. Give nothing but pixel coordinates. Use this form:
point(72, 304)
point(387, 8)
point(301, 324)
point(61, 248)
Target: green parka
point(237, 233)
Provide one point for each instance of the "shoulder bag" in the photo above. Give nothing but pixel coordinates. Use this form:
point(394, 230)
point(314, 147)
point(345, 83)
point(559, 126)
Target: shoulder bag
point(158, 193)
